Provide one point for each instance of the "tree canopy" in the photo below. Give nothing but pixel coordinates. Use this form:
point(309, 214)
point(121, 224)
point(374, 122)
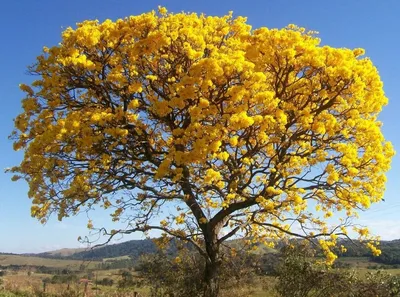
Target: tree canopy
point(262, 133)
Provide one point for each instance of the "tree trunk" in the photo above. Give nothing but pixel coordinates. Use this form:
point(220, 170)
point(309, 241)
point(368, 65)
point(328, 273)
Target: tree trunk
point(212, 279)
point(212, 270)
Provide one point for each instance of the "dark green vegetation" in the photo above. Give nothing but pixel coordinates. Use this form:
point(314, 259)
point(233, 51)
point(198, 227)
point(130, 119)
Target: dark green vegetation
point(390, 253)
point(132, 248)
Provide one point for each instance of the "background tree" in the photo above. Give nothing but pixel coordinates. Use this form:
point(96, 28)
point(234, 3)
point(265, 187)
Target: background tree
point(244, 132)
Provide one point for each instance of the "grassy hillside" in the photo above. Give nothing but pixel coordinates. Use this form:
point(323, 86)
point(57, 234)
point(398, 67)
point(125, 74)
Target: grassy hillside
point(20, 260)
point(66, 252)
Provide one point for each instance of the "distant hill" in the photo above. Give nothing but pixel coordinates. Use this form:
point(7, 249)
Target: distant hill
point(132, 248)
point(66, 252)
point(135, 248)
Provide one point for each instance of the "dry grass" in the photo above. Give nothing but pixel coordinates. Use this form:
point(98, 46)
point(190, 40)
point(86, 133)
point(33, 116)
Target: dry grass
point(21, 283)
point(32, 284)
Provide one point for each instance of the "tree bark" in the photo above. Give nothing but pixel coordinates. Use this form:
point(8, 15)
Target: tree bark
point(212, 269)
point(212, 279)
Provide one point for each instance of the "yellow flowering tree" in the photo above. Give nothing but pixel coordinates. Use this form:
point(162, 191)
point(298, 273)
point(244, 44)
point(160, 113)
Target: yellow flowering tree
point(259, 133)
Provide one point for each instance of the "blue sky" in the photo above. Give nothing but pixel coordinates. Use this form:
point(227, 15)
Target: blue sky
point(26, 26)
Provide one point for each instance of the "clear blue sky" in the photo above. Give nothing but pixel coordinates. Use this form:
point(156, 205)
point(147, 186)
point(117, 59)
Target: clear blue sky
point(26, 26)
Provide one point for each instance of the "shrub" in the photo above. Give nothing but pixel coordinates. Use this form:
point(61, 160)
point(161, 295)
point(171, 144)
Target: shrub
point(183, 276)
point(105, 282)
point(301, 275)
